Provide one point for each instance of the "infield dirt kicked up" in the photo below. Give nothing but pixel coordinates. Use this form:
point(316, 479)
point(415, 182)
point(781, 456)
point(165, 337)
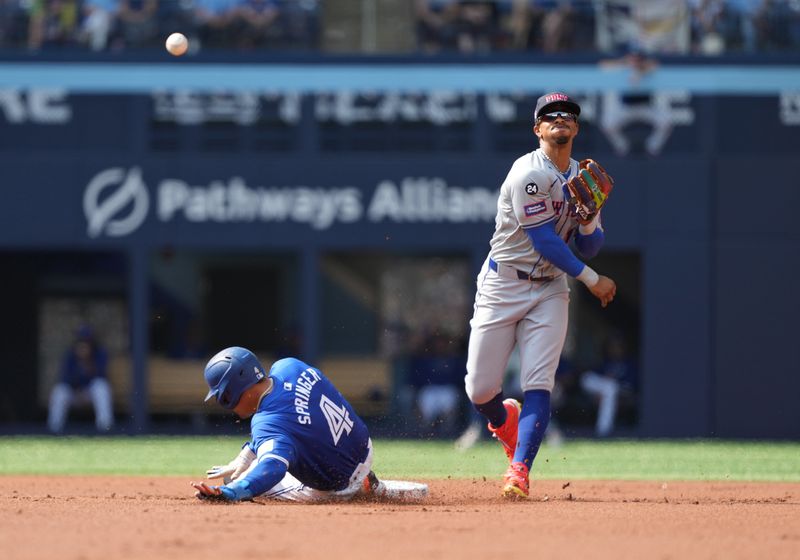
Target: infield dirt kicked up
point(99, 517)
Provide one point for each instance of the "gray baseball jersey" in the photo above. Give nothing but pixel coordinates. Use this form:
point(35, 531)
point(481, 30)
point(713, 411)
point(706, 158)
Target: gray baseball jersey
point(532, 194)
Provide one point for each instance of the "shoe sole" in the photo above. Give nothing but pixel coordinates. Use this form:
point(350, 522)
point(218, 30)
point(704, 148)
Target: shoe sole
point(514, 493)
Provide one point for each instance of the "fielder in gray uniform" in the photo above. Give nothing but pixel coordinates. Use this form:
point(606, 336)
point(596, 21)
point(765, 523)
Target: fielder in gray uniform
point(522, 293)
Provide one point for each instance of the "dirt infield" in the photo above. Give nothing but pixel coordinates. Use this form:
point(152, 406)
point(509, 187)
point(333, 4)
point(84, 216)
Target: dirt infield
point(84, 518)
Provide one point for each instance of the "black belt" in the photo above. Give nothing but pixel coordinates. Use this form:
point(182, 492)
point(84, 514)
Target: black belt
point(521, 275)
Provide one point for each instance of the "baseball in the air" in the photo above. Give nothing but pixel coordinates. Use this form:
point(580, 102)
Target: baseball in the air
point(177, 44)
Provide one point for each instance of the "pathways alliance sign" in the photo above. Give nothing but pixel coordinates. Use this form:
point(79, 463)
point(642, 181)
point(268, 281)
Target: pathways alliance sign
point(117, 201)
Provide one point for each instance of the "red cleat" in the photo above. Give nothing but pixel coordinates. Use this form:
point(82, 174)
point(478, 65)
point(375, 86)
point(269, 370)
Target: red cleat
point(507, 433)
point(515, 481)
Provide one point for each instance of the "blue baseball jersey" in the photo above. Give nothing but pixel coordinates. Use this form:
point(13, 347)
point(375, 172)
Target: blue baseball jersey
point(309, 426)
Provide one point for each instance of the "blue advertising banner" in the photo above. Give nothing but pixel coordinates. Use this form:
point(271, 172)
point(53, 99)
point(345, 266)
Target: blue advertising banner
point(444, 202)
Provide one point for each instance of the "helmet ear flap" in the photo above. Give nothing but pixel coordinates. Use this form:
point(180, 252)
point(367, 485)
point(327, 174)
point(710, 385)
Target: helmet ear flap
point(225, 395)
point(224, 398)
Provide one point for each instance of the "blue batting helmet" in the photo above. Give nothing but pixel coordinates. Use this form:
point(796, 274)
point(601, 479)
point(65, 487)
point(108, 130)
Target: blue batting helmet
point(230, 373)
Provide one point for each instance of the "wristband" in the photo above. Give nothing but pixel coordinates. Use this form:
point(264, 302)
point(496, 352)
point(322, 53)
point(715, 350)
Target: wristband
point(236, 491)
point(588, 276)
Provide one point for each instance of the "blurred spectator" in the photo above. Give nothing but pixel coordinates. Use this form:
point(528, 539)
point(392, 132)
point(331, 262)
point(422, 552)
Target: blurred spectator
point(707, 27)
point(99, 20)
point(729, 25)
point(177, 15)
point(559, 27)
point(552, 25)
point(213, 20)
point(710, 31)
point(793, 24)
point(661, 27)
point(743, 17)
point(14, 19)
point(437, 368)
point(614, 380)
point(777, 25)
point(525, 24)
point(53, 23)
point(138, 21)
point(649, 26)
point(83, 377)
point(250, 24)
point(435, 23)
point(301, 25)
point(254, 23)
point(477, 26)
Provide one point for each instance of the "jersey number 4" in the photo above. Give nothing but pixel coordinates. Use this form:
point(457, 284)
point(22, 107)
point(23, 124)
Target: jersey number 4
point(338, 418)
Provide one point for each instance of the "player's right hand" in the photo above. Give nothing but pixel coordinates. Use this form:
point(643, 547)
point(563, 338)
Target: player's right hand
point(235, 468)
point(604, 290)
point(224, 472)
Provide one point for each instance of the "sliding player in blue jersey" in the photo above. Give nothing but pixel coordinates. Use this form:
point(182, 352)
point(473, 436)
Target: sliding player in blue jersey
point(307, 444)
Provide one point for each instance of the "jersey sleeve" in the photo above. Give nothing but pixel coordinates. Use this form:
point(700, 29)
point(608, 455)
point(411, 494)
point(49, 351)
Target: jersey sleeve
point(589, 245)
point(554, 249)
point(265, 475)
point(268, 442)
point(530, 198)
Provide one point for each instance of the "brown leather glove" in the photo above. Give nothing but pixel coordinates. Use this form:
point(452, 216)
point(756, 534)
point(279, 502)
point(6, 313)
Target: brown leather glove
point(589, 190)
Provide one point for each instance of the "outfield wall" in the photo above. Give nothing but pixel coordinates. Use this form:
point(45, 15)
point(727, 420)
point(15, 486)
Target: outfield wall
point(306, 161)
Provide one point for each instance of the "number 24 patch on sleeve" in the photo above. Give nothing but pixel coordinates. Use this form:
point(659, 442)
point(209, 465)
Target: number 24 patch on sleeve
point(535, 209)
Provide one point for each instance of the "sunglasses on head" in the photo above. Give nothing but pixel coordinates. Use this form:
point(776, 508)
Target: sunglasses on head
point(551, 117)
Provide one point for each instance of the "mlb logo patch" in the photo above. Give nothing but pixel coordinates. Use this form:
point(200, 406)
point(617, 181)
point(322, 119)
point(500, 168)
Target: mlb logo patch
point(535, 209)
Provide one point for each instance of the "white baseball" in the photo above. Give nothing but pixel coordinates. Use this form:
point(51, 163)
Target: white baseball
point(177, 44)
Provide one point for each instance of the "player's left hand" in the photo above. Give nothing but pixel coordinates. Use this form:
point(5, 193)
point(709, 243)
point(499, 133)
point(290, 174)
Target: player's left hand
point(207, 492)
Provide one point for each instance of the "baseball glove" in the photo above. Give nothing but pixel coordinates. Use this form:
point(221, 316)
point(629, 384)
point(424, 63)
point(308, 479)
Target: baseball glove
point(588, 191)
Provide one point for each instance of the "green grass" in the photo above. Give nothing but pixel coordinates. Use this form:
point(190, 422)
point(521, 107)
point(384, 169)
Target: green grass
point(586, 459)
point(580, 459)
